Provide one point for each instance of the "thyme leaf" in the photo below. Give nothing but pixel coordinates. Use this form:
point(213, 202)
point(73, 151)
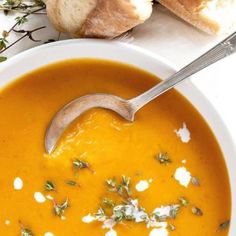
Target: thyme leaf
point(174, 211)
point(195, 181)
point(170, 212)
point(108, 202)
point(59, 209)
point(111, 183)
point(25, 231)
point(49, 186)
point(79, 165)
point(100, 215)
point(171, 227)
point(123, 188)
point(125, 184)
point(183, 201)
point(224, 225)
point(163, 158)
point(119, 213)
point(72, 183)
point(3, 43)
point(20, 20)
point(197, 211)
point(2, 59)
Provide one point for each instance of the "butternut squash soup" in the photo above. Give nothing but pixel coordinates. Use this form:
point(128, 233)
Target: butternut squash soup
point(162, 175)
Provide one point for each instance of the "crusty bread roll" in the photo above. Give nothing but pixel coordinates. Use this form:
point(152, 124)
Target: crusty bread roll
point(211, 16)
point(97, 18)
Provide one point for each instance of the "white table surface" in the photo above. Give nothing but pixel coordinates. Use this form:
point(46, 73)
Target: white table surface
point(175, 40)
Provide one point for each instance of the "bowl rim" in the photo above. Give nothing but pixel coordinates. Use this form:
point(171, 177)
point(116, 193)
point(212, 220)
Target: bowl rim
point(187, 89)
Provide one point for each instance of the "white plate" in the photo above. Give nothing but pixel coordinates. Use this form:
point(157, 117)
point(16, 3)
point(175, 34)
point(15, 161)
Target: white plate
point(37, 57)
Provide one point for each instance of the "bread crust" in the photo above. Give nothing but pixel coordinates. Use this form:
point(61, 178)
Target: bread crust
point(193, 5)
point(190, 11)
point(52, 13)
point(110, 19)
point(65, 15)
point(107, 18)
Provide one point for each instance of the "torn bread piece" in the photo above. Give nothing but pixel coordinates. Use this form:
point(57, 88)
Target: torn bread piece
point(211, 16)
point(97, 18)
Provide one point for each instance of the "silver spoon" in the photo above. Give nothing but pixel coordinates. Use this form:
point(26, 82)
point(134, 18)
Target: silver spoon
point(128, 108)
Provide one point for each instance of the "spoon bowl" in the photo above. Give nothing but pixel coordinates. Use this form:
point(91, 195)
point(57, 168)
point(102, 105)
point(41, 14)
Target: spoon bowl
point(79, 106)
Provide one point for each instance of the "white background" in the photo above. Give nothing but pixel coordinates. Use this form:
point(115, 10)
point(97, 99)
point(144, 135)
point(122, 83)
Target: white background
point(170, 37)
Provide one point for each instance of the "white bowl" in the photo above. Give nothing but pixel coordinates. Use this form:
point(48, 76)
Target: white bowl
point(45, 54)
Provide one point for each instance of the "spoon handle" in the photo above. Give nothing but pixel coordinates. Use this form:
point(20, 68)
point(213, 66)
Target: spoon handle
point(221, 50)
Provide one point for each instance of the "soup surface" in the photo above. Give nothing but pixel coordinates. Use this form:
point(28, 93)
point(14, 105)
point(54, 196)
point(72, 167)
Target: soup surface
point(162, 175)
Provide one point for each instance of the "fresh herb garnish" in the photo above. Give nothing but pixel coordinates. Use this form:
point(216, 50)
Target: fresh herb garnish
point(3, 42)
point(128, 209)
point(138, 173)
point(25, 231)
point(171, 227)
point(125, 184)
point(59, 209)
point(170, 212)
point(2, 59)
point(20, 20)
point(224, 225)
point(119, 213)
point(197, 211)
point(79, 165)
point(106, 202)
point(174, 210)
point(122, 188)
point(195, 181)
point(36, 6)
point(183, 201)
point(163, 158)
point(49, 186)
point(100, 215)
point(72, 183)
point(21, 6)
point(111, 184)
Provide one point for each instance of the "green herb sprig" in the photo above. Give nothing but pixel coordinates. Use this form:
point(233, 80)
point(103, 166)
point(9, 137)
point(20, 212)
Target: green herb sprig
point(80, 165)
point(163, 158)
point(49, 186)
point(107, 202)
point(183, 201)
point(72, 183)
point(9, 5)
point(197, 211)
point(100, 215)
point(195, 181)
point(224, 225)
point(21, 6)
point(25, 231)
point(59, 209)
point(122, 189)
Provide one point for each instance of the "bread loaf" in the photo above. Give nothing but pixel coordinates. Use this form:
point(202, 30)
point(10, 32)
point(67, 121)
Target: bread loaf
point(97, 18)
point(211, 16)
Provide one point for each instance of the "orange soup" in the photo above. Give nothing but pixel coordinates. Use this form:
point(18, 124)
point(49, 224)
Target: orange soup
point(163, 174)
